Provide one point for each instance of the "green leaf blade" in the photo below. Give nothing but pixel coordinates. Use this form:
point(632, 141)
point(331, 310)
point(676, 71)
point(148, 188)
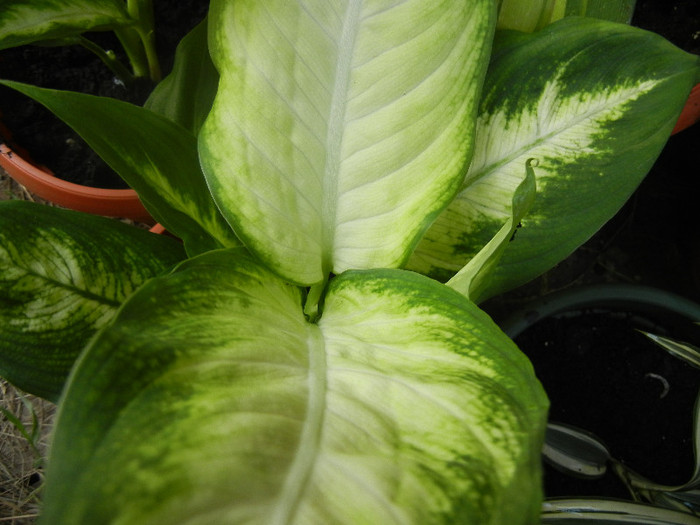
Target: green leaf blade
point(154, 155)
point(409, 370)
point(27, 21)
point(185, 96)
point(307, 128)
point(62, 277)
point(595, 110)
point(214, 406)
point(404, 404)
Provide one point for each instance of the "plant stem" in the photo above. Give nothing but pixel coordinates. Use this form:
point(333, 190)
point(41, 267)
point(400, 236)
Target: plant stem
point(311, 306)
point(108, 58)
point(141, 11)
point(151, 55)
point(131, 42)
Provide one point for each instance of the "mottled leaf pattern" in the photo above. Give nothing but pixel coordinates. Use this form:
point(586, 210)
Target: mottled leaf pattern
point(63, 275)
point(594, 102)
point(403, 404)
point(340, 129)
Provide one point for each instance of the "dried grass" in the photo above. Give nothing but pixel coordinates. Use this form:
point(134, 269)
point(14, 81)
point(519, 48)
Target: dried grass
point(12, 190)
point(21, 460)
point(21, 472)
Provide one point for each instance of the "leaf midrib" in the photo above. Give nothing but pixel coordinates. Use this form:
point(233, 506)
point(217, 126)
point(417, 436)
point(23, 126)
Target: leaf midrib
point(300, 471)
point(602, 108)
point(335, 129)
point(73, 289)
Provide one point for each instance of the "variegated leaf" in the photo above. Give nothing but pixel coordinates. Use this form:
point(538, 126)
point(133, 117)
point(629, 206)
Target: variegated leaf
point(594, 102)
point(63, 275)
point(403, 404)
point(340, 129)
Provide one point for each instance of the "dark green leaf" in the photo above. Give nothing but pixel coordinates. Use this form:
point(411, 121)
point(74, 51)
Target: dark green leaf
point(63, 275)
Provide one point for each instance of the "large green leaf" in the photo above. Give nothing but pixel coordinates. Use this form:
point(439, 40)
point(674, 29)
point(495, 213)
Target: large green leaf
point(154, 155)
point(185, 96)
point(210, 399)
point(340, 129)
point(594, 102)
point(26, 21)
point(63, 275)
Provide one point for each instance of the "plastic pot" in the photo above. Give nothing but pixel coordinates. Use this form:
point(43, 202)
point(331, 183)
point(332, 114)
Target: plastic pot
point(98, 201)
point(604, 376)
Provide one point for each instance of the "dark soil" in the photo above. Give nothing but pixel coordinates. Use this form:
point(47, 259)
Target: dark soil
point(604, 376)
point(49, 141)
point(676, 20)
point(595, 365)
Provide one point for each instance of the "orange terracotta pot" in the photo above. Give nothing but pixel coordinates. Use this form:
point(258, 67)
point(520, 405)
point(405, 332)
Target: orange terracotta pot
point(691, 112)
point(98, 201)
point(159, 229)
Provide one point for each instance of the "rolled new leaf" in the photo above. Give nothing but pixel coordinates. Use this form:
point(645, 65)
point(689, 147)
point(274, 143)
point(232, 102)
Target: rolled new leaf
point(472, 279)
point(403, 404)
point(528, 15)
point(63, 275)
point(341, 129)
point(594, 102)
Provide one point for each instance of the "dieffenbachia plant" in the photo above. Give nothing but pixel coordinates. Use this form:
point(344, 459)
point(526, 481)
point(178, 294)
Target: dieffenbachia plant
point(289, 368)
point(63, 22)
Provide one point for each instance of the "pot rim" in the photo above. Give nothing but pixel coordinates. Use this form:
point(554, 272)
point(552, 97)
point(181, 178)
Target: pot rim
point(99, 201)
point(615, 296)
